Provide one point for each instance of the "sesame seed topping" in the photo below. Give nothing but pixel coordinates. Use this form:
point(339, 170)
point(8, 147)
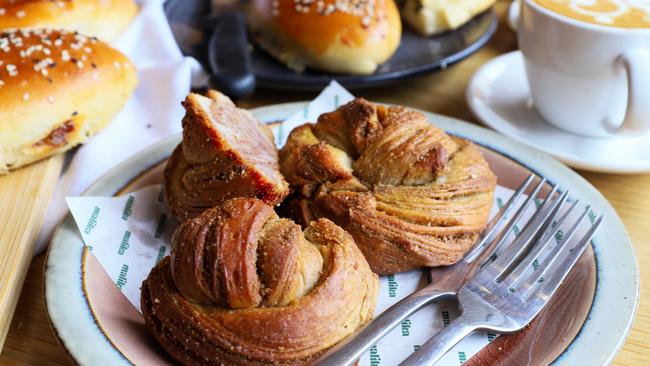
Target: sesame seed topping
point(117, 65)
point(2, 83)
point(11, 69)
point(26, 96)
point(50, 99)
point(39, 51)
point(363, 9)
point(2, 11)
point(20, 14)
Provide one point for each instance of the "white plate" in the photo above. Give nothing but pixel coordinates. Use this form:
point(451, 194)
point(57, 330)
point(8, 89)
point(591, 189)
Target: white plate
point(498, 94)
point(82, 333)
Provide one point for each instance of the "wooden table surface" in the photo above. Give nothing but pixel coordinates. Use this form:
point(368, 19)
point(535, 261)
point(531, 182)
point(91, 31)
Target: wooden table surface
point(31, 342)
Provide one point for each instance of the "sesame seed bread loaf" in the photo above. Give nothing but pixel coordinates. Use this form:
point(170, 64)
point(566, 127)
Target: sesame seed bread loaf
point(56, 88)
point(340, 36)
point(105, 19)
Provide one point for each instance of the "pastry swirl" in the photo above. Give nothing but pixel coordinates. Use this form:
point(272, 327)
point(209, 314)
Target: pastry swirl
point(245, 287)
point(410, 195)
point(225, 153)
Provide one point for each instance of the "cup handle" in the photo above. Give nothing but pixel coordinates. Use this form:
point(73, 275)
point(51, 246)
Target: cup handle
point(514, 13)
point(637, 115)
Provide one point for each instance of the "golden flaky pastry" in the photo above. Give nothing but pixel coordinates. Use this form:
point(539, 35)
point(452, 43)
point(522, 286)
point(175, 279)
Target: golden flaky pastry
point(225, 153)
point(409, 194)
point(245, 287)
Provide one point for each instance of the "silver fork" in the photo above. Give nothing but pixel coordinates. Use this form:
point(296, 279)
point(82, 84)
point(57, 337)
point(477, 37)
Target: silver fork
point(447, 281)
point(502, 297)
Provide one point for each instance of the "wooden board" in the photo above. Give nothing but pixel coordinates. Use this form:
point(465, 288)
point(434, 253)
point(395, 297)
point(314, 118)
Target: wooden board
point(25, 195)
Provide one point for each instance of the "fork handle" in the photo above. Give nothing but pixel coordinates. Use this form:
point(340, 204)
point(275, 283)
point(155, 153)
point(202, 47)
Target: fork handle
point(348, 352)
point(436, 347)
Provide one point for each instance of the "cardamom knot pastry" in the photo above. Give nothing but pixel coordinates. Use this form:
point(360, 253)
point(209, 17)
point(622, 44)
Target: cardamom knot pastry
point(430, 17)
point(225, 153)
point(56, 89)
point(409, 194)
point(340, 36)
point(105, 19)
point(245, 287)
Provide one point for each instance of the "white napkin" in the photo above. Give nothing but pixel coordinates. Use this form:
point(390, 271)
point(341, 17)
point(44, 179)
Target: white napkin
point(153, 112)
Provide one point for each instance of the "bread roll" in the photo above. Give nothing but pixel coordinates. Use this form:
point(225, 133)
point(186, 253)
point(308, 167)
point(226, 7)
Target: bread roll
point(341, 36)
point(429, 17)
point(243, 287)
point(409, 194)
point(225, 153)
point(105, 19)
point(56, 89)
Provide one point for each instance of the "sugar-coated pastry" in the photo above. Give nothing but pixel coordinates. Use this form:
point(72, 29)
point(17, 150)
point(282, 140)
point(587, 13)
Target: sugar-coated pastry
point(225, 153)
point(340, 36)
point(243, 287)
point(429, 17)
point(56, 89)
point(105, 19)
point(409, 194)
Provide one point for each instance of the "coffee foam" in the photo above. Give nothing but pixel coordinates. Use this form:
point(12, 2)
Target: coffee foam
point(616, 13)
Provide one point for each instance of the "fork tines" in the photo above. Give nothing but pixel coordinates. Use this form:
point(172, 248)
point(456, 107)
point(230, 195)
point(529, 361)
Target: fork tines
point(537, 237)
point(536, 243)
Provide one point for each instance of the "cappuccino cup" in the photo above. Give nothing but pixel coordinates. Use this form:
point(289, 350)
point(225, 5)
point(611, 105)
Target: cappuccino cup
point(588, 64)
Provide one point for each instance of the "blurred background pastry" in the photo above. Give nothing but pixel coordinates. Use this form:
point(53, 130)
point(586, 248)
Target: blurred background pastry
point(225, 153)
point(429, 17)
point(340, 36)
point(245, 287)
point(56, 88)
point(409, 194)
point(105, 19)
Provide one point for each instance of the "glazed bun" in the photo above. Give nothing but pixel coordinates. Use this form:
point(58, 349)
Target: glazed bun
point(56, 88)
point(105, 19)
point(340, 36)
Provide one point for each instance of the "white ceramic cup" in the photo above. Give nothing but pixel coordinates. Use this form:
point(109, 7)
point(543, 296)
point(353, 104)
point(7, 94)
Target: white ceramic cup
point(585, 78)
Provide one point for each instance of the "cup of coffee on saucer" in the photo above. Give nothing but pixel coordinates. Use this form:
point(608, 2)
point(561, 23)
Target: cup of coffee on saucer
point(578, 88)
point(588, 64)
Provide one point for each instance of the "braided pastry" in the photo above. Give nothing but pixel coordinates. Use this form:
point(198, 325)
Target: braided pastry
point(409, 194)
point(245, 287)
point(225, 153)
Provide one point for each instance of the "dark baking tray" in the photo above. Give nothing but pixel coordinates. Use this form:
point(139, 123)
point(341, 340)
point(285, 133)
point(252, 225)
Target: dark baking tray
point(416, 54)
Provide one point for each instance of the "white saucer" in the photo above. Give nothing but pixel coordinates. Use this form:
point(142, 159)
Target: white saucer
point(499, 96)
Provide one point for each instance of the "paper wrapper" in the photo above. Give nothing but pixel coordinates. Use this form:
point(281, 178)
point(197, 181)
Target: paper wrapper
point(131, 233)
